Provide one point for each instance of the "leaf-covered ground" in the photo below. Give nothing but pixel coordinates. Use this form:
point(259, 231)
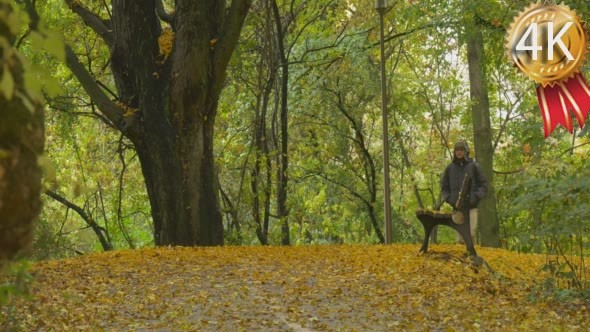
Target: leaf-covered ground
point(307, 288)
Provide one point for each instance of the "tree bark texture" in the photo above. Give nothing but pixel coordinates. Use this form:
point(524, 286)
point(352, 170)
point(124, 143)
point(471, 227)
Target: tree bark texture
point(262, 155)
point(167, 105)
point(482, 131)
point(22, 139)
point(283, 175)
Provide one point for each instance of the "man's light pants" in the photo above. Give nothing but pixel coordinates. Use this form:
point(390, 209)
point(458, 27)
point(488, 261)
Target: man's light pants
point(472, 225)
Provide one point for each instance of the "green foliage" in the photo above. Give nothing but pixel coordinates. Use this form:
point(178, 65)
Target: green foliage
point(49, 41)
point(548, 213)
point(428, 106)
point(18, 280)
point(82, 154)
point(16, 287)
point(86, 155)
point(7, 84)
point(13, 21)
point(36, 78)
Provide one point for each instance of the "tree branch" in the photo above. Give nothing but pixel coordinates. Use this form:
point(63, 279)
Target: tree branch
point(505, 121)
point(307, 24)
point(339, 38)
point(432, 107)
point(228, 39)
point(293, 12)
point(121, 153)
point(520, 170)
point(93, 114)
point(350, 190)
point(106, 88)
point(99, 231)
point(101, 27)
point(109, 108)
point(573, 148)
point(408, 32)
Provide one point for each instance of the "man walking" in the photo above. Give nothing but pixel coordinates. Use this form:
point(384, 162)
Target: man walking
point(451, 184)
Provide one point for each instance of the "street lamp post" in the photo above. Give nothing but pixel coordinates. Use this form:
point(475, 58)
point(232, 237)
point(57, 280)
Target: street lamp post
point(381, 6)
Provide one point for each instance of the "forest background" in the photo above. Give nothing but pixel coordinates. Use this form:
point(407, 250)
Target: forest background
point(297, 127)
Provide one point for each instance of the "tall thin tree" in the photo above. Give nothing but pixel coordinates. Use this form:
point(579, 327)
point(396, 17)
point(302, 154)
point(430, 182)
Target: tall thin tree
point(483, 136)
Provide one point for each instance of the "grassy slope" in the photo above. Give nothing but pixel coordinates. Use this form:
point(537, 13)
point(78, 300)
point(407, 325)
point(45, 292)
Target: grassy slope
point(376, 288)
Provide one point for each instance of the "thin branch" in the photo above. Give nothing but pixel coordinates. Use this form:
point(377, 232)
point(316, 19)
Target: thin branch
point(228, 39)
point(292, 14)
point(573, 148)
point(121, 153)
point(236, 133)
point(316, 63)
point(308, 23)
point(427, 98)
point(342, 185)
point(339, 38)
point(322, 122)
point(408, 32)
point(106, 7)
point(106, 88)
point(143, 213)
point(61, 228)
point(108, 107)
point(103, 210)
point(504, 123)
point(99, 231)
point(22, 39)
point(92, 114)
point(111, 110)
point(101, 27)
point(520, 170)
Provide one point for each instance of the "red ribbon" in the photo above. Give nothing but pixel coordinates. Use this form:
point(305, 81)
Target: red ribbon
point(556, 102)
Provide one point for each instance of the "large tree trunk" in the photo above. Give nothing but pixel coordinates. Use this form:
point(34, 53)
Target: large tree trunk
point(482, 131)
point(168, 102)
point(21, 143)
point(181, 182)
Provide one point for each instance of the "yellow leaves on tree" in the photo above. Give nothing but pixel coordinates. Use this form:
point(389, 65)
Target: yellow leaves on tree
point(128, 111)
point(526, 149)
point(166, 41)
point(327, 288)
point(74, 4)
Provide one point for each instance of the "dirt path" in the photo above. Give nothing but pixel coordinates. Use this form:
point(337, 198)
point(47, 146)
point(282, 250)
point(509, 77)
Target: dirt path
point(325, 288)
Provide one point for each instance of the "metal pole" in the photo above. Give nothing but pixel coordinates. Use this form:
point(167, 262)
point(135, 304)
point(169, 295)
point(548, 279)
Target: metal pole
point(386, 186)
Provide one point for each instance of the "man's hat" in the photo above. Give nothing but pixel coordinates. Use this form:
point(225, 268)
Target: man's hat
point(462, 146)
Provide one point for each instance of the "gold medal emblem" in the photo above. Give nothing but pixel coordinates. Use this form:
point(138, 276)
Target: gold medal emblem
point(548, 43)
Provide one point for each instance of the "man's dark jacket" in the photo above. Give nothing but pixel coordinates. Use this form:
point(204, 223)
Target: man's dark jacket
point(452, 180)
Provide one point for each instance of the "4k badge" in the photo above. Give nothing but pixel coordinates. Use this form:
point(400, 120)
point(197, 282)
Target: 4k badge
point(549, 44)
